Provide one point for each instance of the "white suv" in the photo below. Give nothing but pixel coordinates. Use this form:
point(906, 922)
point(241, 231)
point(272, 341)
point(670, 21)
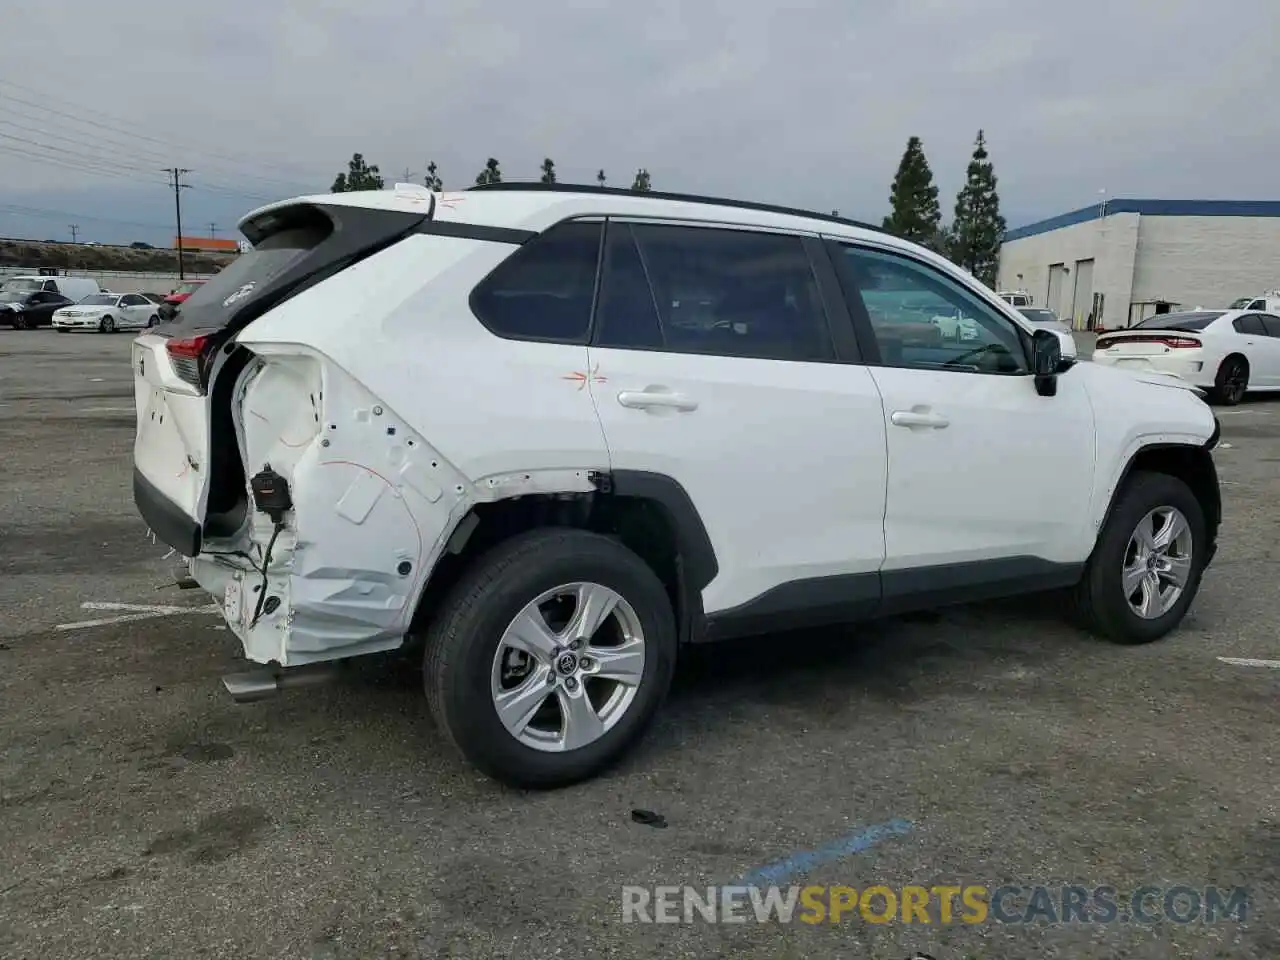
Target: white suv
point(547, 435)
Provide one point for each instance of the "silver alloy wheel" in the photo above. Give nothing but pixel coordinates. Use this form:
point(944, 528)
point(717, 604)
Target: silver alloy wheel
point(568, 667)
point(1157, 562)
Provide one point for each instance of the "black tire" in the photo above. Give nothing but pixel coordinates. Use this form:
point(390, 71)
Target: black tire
point(107, 325)
point(20, 322)
point(152, 321)
point(1232, 381)
point(463, 636)
point(1101, 605)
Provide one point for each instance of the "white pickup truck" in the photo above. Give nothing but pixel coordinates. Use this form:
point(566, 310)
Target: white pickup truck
point(1266, 303)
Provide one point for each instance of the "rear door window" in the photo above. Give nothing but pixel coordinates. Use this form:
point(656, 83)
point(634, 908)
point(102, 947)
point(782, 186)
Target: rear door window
point(731, 293)
point(1251, 325)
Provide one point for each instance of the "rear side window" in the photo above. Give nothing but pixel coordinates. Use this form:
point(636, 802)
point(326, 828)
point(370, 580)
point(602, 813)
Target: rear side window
point(545, 289)
point(731, 293)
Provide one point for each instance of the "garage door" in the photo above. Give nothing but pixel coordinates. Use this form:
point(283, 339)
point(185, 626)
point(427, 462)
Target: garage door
point(1082, 302)
point(1057, 273)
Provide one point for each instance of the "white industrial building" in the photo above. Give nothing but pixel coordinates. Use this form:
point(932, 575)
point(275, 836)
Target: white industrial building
point(1115, 263)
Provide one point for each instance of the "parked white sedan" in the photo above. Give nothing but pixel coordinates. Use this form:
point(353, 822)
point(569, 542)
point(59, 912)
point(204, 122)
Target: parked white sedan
point(1224, 352)
point(108, 312)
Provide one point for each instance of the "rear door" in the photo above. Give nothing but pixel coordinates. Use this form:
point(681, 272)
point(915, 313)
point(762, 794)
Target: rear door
point(134, 310)
point(176, 368)
point(713, 361)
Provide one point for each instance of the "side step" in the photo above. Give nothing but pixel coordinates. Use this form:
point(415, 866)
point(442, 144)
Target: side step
point(265, 682)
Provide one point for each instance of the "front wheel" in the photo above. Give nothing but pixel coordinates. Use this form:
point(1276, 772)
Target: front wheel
point(550, 658)
point(152, 321)
point(1146, 569)
point(107, 325)
point(20, 322)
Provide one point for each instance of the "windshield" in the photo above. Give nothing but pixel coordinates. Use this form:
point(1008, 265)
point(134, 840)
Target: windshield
point(1038, 314)
point(1180, 321)
point(98, 300)
point(20, 287)
point(190, 287)
point(1241, 304)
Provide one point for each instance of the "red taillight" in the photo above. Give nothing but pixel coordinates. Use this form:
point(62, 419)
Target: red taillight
point(186, 356)
point(1173, 342)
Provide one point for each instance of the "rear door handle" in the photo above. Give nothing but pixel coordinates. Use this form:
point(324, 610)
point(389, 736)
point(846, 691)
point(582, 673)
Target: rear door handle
point(651, 398)
point(919, 418)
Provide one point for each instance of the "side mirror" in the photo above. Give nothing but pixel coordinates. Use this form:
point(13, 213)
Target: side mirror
point(1046, 358)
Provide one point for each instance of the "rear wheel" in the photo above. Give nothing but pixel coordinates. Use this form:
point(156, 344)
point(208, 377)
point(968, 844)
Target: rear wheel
point(153, 320)
point(107, 325)
point(1145, 571)
point(1232, 381)
point(550, 658)
point(20, 322)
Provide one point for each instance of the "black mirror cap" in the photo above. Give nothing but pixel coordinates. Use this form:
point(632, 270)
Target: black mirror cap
point(1046, 353)
point(1046, 358)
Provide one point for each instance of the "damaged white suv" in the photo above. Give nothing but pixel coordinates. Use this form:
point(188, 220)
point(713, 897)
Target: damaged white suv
point(547, 435)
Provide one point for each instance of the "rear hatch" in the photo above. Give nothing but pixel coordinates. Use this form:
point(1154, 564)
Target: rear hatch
point(188, 480)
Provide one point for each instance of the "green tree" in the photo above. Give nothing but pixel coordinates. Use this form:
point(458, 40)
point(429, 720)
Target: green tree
point(913, 199)
point(359, 176)
point(600, 178)
point(432, 179)
point(548, 171)
point(490, 173)
point(978, 226)
point(641, 184)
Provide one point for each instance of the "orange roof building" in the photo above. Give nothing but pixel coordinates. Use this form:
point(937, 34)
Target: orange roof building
point(212, 244)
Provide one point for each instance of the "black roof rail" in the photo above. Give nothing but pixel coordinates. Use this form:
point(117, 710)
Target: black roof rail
point(539, 187)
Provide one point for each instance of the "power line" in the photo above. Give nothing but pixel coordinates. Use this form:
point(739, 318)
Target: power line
point(44, 213)
point(255, 163)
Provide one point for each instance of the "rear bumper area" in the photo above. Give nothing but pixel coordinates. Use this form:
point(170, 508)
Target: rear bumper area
point(165, 519)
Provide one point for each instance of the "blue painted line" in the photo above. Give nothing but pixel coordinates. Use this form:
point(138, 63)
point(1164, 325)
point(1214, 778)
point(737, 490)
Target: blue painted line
point(782, 871)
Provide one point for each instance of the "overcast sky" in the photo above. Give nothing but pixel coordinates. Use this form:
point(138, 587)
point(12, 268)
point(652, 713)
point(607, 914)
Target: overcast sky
point(808, 103)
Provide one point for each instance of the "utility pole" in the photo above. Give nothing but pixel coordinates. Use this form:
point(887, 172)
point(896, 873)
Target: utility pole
point(213, 230)
point(75, 229)
point(175, 182)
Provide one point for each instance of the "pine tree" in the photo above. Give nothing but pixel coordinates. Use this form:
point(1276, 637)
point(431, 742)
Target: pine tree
point(913, 198)
point(358, 176)
point(490, 173)
point(548, 171)
point(978, 226)
point(641, 184)
point(432, 180)
point(600, 178)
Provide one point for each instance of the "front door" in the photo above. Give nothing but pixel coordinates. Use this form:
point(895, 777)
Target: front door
point(988, 480)
point(712, 362)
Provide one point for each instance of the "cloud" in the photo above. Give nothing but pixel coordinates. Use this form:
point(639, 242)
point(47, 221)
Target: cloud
point(807, 103)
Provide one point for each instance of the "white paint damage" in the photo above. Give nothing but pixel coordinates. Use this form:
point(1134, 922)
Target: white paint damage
point(374, 505)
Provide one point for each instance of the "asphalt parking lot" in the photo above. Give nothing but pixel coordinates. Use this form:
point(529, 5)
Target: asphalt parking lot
point(146, 815)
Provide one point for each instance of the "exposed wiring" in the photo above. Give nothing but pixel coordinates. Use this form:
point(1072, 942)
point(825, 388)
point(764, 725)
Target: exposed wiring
point(266, 566)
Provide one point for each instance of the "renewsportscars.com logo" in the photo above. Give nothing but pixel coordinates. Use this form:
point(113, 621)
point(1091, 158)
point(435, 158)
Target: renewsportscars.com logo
point(970, 904)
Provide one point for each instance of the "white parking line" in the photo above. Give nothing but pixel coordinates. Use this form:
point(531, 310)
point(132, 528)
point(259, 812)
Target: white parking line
point(136, 611)
point(1249, 662)
point(106, 409)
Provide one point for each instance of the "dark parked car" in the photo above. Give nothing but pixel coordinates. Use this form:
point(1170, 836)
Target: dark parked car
point(32, 309)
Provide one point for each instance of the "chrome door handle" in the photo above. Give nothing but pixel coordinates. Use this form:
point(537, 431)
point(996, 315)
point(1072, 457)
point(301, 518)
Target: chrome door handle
point(647, 399)
point(919, 418)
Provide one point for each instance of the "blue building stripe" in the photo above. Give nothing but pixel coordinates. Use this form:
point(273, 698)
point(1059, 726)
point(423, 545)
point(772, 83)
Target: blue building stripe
point(1150, 208)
